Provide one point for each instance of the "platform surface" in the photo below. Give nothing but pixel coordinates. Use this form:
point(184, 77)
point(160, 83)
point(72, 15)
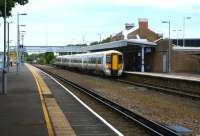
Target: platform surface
point(81, 119)
point(181, 76)
point(20, 109)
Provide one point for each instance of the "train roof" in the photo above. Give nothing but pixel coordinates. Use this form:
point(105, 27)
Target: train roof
point(91, 53)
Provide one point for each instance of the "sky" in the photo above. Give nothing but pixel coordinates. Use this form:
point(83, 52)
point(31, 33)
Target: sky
point(62, 22)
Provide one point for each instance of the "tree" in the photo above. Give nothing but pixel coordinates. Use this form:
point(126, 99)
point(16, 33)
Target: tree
point(10, 4)
point(49, 56)
point(108, 39)
point(94, 43)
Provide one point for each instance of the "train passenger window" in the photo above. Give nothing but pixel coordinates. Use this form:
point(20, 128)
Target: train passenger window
point(89, 60)
point(85, 61)
point(99, 60)
point(108, 59)
point(93, 60)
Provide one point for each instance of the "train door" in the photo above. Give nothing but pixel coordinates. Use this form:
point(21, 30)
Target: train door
point(114, 63)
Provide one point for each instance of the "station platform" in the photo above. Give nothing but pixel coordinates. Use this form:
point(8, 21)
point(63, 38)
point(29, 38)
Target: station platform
point(20, 108)
point(180, 83)
point(38, 105)
point(181, 76)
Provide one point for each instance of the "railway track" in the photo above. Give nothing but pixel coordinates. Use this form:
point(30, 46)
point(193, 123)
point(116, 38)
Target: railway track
point(153, 127)
point(168, 90)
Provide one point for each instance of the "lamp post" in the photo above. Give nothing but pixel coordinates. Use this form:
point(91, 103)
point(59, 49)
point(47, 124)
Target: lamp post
point(83, 37)
point(22, 33)
point(169, 47)
point(184, 19)
point(99, 37)
point(4, 90)
point(18, 41)
point(8, 44)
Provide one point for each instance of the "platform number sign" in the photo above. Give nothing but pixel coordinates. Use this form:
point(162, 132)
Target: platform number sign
point(147, 50)
point(21, 48)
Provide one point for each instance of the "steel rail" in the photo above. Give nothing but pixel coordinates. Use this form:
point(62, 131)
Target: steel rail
point(162, 89)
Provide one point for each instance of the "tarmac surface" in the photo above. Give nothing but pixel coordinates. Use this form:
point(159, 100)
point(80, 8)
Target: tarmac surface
point(20, 108)
point(35, 105)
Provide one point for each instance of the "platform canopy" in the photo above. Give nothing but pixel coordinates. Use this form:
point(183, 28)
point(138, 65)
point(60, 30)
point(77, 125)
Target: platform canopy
point(121, 43)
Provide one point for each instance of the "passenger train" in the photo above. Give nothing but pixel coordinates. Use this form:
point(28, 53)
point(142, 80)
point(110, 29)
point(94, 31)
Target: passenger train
point(109, 63)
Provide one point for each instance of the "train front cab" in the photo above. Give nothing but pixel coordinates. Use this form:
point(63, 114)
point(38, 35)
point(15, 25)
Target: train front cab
point(114, 62)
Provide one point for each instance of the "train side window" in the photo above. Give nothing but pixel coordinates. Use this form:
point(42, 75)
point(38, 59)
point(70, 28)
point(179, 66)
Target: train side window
point(100, 60)
point(89, 60)
point(85, 61)
point(108, 59)
point(93, 60)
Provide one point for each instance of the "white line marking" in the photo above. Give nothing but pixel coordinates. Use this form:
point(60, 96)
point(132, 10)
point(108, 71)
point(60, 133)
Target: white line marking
point(86, 106)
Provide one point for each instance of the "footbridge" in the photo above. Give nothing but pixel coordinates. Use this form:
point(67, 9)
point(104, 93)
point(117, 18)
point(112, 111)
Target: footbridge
point(56, 49)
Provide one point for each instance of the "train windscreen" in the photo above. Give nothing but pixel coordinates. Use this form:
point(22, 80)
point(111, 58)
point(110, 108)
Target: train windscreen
point(120, 59)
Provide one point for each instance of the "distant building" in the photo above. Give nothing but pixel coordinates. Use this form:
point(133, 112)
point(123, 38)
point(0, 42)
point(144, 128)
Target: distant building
point(189, 42)
point(140, 32)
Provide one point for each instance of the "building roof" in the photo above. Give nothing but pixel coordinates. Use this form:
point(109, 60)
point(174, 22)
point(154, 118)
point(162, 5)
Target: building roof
point(121, 43)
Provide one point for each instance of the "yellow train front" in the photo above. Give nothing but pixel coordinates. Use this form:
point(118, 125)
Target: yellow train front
point(109, 63)
point(114, 63)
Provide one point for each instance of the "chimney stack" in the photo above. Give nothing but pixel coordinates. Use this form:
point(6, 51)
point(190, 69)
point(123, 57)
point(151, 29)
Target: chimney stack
point(143, 23)
point(128, 26)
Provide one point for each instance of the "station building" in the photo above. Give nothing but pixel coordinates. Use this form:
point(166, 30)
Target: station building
point(146, 50)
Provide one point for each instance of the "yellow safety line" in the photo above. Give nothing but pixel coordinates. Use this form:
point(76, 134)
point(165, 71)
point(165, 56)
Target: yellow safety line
point(44, 108)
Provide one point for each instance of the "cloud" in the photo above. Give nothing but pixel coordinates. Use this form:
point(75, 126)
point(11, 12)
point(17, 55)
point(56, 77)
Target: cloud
point(46, 5)
point(90, 17)
point(157, 3)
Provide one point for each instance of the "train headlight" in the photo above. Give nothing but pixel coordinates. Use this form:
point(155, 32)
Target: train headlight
point(108, 66)
point(120, 66)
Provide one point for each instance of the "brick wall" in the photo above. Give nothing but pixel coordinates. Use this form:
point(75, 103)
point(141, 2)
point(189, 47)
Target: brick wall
point(117, 37)
point(157, 57)
point(182, 62)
